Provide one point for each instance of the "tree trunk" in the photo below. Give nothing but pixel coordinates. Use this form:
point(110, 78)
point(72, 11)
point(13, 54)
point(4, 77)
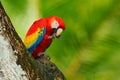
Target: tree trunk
point(16, 63)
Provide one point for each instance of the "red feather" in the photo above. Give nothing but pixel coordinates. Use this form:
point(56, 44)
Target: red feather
point(45, 42)
point(39, 23)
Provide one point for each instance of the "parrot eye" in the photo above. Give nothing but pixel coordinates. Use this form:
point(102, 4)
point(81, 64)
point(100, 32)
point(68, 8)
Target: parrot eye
point(55, 24)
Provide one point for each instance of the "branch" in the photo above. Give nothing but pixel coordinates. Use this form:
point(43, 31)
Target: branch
point(16, 63)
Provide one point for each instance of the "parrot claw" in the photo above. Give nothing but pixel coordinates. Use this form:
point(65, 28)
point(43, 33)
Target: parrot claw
point(40, 55)
point(52, 36)
point(43, 55)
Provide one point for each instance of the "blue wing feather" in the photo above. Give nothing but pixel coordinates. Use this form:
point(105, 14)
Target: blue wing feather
point(40, 37)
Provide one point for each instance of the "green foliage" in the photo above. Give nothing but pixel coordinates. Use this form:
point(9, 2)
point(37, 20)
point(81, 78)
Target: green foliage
point(90, 46)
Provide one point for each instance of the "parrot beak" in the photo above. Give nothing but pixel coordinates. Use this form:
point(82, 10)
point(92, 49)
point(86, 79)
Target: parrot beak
point(58, 33)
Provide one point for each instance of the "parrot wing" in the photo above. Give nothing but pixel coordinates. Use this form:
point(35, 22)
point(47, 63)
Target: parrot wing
point(32, 40)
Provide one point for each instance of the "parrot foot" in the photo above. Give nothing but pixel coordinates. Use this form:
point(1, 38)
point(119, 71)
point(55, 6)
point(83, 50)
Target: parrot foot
point(40, 55)
point(52, 36)
point(43, 56)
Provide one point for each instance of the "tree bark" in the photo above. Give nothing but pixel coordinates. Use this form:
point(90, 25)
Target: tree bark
point(16, 63)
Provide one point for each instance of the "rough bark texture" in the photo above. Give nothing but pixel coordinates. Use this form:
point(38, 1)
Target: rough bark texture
point(16, 63)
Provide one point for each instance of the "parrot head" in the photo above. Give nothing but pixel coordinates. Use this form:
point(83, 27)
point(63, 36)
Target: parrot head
point(57, 25)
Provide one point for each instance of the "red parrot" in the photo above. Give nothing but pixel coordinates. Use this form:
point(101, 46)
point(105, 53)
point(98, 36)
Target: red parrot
point(41, 34)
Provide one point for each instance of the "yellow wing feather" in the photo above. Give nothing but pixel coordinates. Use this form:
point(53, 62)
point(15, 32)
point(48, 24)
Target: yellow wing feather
point(29, 40)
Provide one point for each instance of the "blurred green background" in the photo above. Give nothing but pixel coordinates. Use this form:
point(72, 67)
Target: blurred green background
point(90, 46)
